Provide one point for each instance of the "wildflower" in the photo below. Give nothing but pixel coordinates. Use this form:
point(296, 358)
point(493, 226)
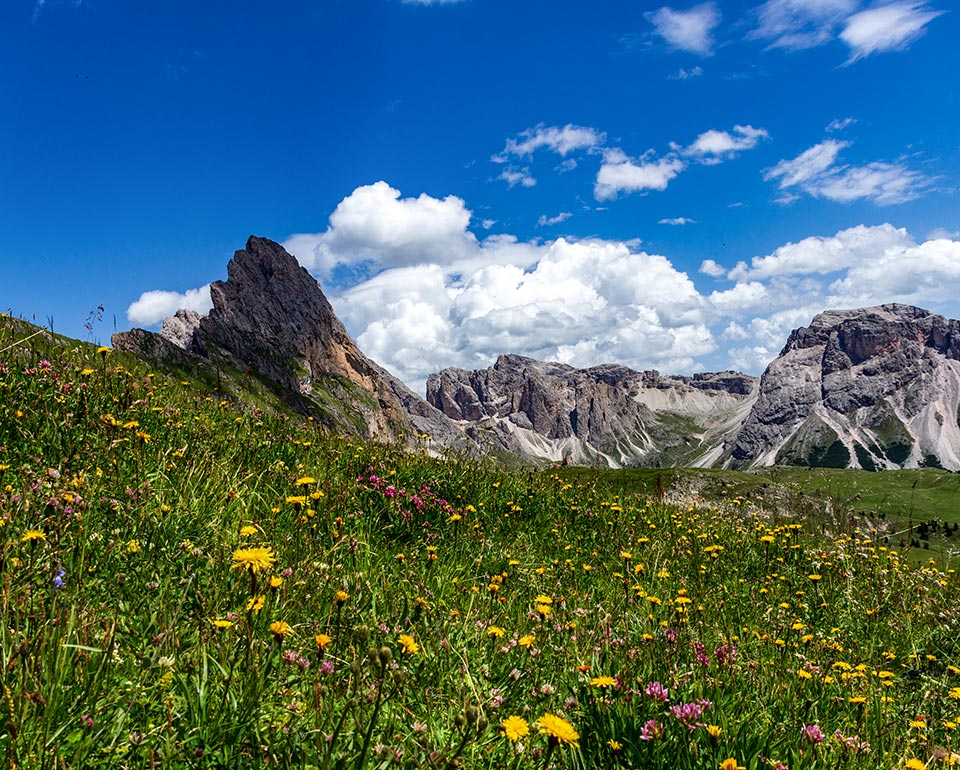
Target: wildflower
point(495, 631)
point(527, 640)
point(255, 603)
point(603, 681)
point(514, 728)
point(58, 580)
point(222, 623)
point(651, 730)
point(656, 691)
point(275, 581)
point(322, 641)
point(915, 764)
point(714, 731)
point(280, 630)
point(134, 546)
point(559, 730)
point(813, 734)
point(409, 644)
point(247, 529)
point(341, 598)
point(32, 536)
point(731, 764)
point(304, 480)
point(103, 350)
point(614, 744)
point(954, 693)
point(258, 559)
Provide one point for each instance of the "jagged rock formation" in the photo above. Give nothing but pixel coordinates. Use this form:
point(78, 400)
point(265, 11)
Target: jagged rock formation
point(271, 320)
point(608, 415)
point(872, 388)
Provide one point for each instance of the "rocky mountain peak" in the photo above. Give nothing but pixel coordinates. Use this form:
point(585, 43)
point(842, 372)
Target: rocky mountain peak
point(877, 387)
point(270, 318)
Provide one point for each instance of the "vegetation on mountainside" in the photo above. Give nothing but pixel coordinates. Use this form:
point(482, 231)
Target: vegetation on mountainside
point(188, 582)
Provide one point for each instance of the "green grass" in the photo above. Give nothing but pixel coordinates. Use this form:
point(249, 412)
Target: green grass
point(408, 606)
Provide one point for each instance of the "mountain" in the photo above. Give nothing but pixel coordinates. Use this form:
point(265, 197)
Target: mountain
point(872, 388)
point(607, 415)
point(272, 324)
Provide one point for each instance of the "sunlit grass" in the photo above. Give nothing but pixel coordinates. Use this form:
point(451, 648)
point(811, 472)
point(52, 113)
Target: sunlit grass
point(186, 583)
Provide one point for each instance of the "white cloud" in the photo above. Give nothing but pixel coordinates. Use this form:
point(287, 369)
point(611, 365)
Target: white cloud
point(799, 24)
point(820, 256)
point(560, 139)
point(691, 30)
point(815, 171)
point(619, 173)
point(890, 27)
point(677, 221)
point(711, 268)
point(375, 224)
point(545, 221)
point(715, 146)
point(686, 74)
point(517, 176)
point(942, 233)
point(839, 124)
point(153, 306)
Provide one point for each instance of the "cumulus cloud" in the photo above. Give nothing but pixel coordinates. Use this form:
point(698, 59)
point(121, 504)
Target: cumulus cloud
point(621, 174)
point(711, 268)
point(891, 27)
point(799, 24)
point(375, 224)
point(716, 146)
point(822, 255)
point(677, 221)
point(690, 31)
point(153, 306)
point(816, 172)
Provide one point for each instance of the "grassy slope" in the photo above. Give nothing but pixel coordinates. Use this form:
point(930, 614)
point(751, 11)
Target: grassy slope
point(425, 582)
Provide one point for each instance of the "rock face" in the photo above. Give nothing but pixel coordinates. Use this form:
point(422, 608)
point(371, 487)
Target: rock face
point(271, 319)
point(608, 415)
point(872, 388)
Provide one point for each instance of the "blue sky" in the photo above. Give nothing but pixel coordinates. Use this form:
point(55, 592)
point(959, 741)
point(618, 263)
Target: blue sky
point(670, 187)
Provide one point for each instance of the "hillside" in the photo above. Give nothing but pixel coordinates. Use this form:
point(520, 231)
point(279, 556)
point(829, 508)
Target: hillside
point(190, 581)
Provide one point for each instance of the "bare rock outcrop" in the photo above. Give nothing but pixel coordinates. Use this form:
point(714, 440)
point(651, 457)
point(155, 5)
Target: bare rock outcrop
point(874, 388)
point(606, 414)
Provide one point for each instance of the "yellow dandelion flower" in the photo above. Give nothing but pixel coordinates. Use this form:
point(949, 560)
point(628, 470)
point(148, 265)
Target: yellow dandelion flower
point(275, 581)
point(915, 764)
point(323, 641)
point(614, 744)
point(280, 630)
point(304, 481)
point(32, 536)
point(527, 640)
point(259, 559)
point(255, 603)
point(559, 730)
point(731, 764)
point(603, 681)
point(954, 693)
point(495, 632)
point(223, 623)
point(714, 731)
point(409, 644)
point(341, 598)
point(248, 529)
point(514, 728)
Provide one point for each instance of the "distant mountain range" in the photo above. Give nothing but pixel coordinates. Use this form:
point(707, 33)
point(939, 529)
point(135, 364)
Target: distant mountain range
point(873, 388)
